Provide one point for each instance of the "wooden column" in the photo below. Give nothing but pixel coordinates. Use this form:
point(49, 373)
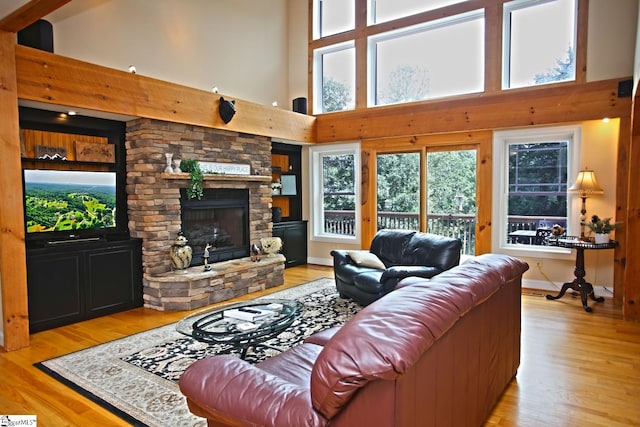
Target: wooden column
point(631, 298)
point(13, 270)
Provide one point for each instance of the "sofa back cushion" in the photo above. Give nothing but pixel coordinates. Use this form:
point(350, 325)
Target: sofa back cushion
point(389, 245)
point(389, 336)
point(432, 250)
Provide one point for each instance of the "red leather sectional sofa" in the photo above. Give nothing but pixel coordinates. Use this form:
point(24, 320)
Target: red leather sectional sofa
point(434, 352)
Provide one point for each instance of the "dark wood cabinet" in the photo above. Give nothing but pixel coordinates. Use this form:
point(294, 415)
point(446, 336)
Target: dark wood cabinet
point(70, 282)
point(294, 238)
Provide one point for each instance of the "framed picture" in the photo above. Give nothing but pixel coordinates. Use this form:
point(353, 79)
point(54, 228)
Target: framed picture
point(49, 153)
point(288, 185)
point(95, 152)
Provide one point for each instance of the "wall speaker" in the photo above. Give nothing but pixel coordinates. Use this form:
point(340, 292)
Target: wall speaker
point(625, 87)
point(38, 35)
point(300, 105)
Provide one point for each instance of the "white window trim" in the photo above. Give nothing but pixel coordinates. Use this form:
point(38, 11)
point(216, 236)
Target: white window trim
point(318, 71)
point(512, 6)
point(315, 201)
point(501, 140)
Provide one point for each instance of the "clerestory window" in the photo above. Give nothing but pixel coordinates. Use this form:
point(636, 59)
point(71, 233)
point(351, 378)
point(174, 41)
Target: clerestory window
point(539, 42)
point(416, 63)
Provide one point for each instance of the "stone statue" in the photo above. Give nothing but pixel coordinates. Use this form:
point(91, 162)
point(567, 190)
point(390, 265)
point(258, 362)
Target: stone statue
point(207, 266)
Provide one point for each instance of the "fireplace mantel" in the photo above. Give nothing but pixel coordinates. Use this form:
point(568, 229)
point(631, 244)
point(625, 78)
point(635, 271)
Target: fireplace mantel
point(219, 177)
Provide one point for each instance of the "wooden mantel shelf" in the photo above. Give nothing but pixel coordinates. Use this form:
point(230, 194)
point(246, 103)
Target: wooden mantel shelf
point(219, 177)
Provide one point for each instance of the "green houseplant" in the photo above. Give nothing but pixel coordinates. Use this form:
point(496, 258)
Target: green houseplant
point(601, 227)
point(191, 166)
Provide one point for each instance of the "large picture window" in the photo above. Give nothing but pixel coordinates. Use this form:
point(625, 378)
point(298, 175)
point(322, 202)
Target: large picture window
point(417, 63)
point(335, 173)
point(533, 177)
point(539, 42)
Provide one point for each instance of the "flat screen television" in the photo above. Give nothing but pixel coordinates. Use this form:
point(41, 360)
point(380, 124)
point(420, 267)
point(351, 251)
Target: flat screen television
point(61, 204)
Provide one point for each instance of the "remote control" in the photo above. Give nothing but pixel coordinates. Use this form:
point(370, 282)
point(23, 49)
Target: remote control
point(249, 310)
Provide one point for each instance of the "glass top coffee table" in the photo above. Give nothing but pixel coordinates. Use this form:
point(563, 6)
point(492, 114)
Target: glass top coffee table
point(242, 325)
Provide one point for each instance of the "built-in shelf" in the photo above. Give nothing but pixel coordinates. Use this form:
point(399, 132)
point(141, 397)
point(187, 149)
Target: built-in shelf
point(218, 177)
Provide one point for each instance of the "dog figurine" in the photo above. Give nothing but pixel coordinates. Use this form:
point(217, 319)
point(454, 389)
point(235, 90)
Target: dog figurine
point(271, 245)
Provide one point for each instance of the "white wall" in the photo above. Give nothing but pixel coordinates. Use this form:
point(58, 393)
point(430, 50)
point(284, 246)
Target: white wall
point(611, 39)
point(240, 46)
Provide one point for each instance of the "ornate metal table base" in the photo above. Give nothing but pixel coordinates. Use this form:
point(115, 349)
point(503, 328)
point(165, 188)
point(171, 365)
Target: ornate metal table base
point(579, 284)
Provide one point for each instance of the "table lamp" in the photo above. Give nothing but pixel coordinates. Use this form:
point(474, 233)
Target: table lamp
point(586, 185)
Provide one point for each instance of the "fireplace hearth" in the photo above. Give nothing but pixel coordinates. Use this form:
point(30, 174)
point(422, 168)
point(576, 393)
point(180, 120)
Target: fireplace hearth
point(219, 219)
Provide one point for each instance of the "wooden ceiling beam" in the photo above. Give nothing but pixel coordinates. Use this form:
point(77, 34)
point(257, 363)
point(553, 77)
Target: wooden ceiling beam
point(58, 80)
point(507, 109)
point(29, 13)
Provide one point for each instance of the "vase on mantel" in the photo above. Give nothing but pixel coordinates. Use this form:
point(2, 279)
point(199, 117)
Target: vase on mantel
point(601, 238)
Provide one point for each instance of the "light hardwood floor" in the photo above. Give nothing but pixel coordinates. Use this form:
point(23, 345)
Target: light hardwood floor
point(577, 368)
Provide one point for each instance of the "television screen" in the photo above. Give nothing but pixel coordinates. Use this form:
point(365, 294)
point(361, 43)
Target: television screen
point(68, 201)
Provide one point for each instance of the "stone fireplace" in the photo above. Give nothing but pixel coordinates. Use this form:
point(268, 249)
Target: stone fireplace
point(220, 219)
point(155, 209)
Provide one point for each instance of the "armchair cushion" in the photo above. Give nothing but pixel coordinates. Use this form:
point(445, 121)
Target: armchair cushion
point(366, 259)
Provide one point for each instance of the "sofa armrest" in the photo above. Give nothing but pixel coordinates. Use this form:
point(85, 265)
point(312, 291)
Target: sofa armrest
point(340, 257)
point(395, 274)
point(226, 388)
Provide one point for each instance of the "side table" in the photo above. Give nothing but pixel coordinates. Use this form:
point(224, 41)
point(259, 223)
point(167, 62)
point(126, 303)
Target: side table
point(579, 284)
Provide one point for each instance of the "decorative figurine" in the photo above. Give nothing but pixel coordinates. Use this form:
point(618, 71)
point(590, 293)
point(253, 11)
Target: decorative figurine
point(271, 245)
point(255, 253)
point(180, 253)
point(207, 267)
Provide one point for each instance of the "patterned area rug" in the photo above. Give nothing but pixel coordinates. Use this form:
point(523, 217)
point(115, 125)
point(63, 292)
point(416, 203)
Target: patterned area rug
point(136, 377)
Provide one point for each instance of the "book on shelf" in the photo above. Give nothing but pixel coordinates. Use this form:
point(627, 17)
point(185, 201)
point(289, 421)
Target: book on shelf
point(249, 314)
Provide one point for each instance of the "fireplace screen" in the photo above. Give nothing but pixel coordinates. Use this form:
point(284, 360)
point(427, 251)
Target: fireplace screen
point(220, 219)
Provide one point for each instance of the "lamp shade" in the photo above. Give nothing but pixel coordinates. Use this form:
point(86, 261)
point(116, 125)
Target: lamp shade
point(586, 184)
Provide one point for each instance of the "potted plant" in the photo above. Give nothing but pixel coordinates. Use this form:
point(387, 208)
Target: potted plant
point(191, 166)
point(601, 227)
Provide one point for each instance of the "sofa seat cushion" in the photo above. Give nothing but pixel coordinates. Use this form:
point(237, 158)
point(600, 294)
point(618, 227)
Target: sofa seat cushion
point(369, 282)
point(293, 365)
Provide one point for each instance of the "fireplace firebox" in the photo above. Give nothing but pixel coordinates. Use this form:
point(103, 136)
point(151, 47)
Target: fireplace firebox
point(220, 219)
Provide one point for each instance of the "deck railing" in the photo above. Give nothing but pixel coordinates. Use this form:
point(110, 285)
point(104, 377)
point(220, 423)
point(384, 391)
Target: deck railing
point(450, 225)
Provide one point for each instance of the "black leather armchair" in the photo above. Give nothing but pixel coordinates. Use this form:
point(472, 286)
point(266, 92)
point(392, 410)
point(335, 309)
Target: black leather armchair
point(403, 253)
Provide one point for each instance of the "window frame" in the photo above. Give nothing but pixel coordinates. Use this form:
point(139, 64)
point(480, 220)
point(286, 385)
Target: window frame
point(424, 27)
point(317, 193)
point(507, 8)
point(501, 141)
point(318, 74)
